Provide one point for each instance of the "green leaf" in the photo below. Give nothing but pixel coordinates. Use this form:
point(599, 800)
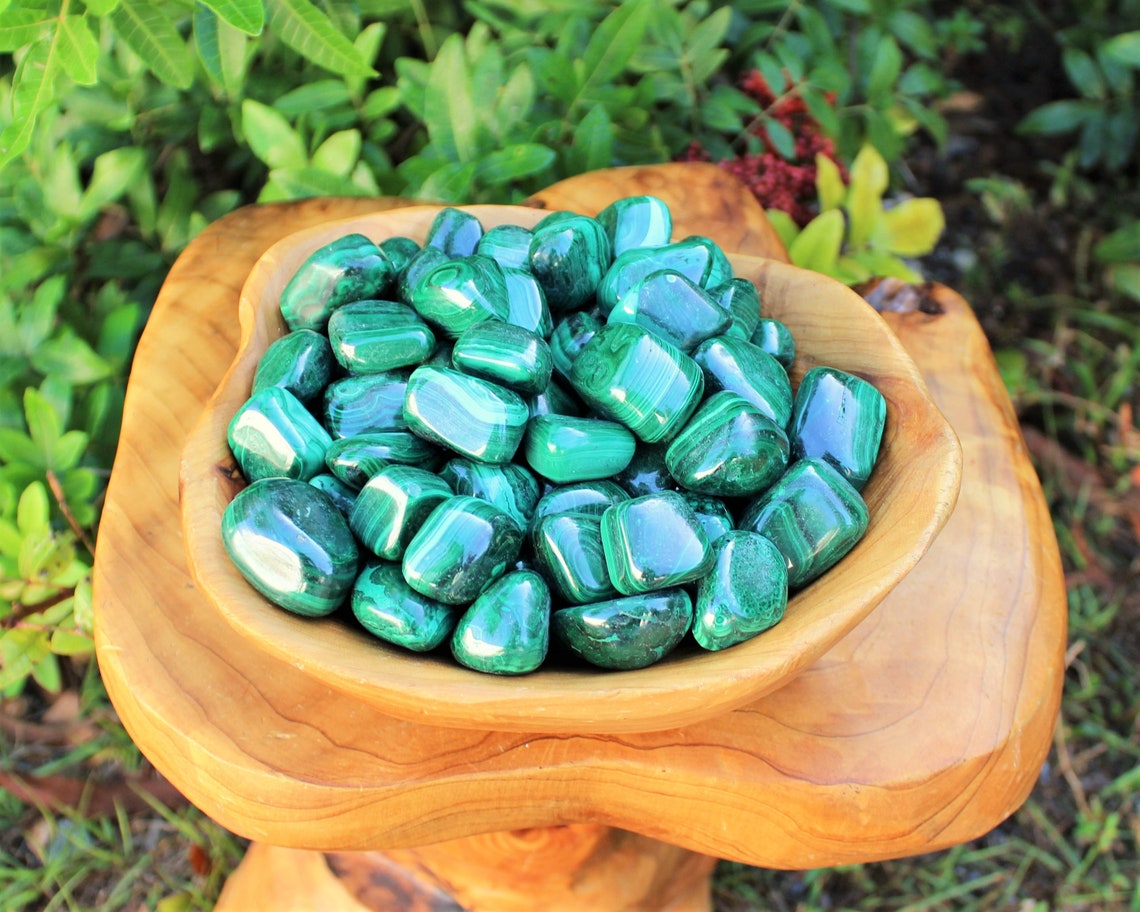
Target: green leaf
point(112, 175)
point(33, 513)
point(513, 162)
point(299, 183)
point(33, 90)
point(21, 27)
point(222, 50)
point(16, 448)
point(147, 30)
point(338, 153)
point(784, 224)
point(101, 7)
point(829, 184)
point(43, 423)
point(449, 108)
point(869, 179)
point(79, 51)
point(270, 136)
point(69, 449)
point(1125, 48)
point(46, 674)
point(593, 146)
point(245, 15)
point(71, 643)
point(312, 34)
point(772, 72)
point(71, 359)
point(20, 650)
point(1124, 279)
point(914, 32)
point(1056, 117)
point(885, 71)
point(913, 227)
point(1083, 73)
point(1122, 246)
point(614, 43)
point(780, 137)
point(858, 7)
point(817, 245)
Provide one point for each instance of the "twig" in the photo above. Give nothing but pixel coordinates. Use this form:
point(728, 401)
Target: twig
point(65, 508)
point(1065, 764)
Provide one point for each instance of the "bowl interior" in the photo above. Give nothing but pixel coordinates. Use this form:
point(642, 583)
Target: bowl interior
point(910, 496)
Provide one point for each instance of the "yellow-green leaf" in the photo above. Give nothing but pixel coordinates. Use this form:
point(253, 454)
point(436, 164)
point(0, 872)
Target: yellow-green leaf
point(270, 136)
point(828, 183)
point(870, 168)
point(913, 227)
point(149, 32)
point(869, 178)
point(817, 246)
point(784, 224)
point(312, 34)
point(79, 51)
point(338, 154)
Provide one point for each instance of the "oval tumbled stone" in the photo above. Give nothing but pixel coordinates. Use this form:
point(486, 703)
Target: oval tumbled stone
point(734, 364)
point(391, 507)
point(351, 268)
point(273, 436)
point(505, 354)
point(506, 630)
point(301, 361)
point(366, 404)
point(654, 542)
point(568, 549)
point(569, 254)
point(388, 608)
point(508, 486)
point(637, 221)
point(454, 231)
point(507, 245)
point(626, 633)
point(565, 449)
point(744, 594)
point(671, 306)
point(368, 337)
point(457, 294)
point(776, 339)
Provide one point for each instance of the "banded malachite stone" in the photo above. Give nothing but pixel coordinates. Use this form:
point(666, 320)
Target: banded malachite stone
point(623, 634)
point(455, 232)
point(301, 362)
point(388, 608)
point(637, 221)
point(569, 254)
point(696, 258)
point(351, 268)
point(399, 250)
point(506, 630)
point(741, 299)
point(632, 376)
point(570, 335)
point(555, 400)
point(421, 263)
point(368, 337)
point(463, 545)
point(653, 542)
point(504, 354)
point(292, 545)
point(729, 449)
point(646, 472)
point(273, 436)
point(460, 293)
point(669, 305)
point(341, 495)
point(812, 515)
point(507, 245)
point(565, 449)
point(508, 486)
point(473, 417)
point(526, 303)
point(392, 506)
point(745, 593)
point(590, 497)
point(356, 459)
point(839, 418)
point(731, 363)
point(776, 339)
point(568, 550)
point(711, 513)
point(366, 404)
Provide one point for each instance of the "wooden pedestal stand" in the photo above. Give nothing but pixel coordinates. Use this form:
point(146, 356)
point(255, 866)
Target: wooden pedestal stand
point(924, 727)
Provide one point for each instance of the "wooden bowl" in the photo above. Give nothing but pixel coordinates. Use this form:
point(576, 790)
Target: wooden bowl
point(910, 496)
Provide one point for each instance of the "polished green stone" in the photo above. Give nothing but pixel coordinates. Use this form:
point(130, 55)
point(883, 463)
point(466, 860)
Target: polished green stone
point(568, 550)
point(745, 593)
point(365, 404)
point(507, 485)
point(637, 221)
point(813, 515)
point(399, 250)
point(292, 545)
point(342, 496)
point(506, 630)
point(463, 545)
point(569, 255)
point(301, 362)
point(670, 306)
point(711, 513)
point(569, 337)
point(273, 435)
point(473, 417)
point(351, 268)
point(653, 542)
point(696, 258)
point(460, 293)
point(368, 337)
point(356, 459)
point(420, 265)
point(730, 363)
point(729, 448)
point(623, 634)
point(839, 418)
point(507, 245)
point(526, 303)
point(565, 449)
point(505, 354)
point(632, 376)
point(454, 231)
point(590, 497)
point(555, 400)
point(741, 299)
point(646, 472)
point(776, 339)
point(388, 608)
point(393, 505)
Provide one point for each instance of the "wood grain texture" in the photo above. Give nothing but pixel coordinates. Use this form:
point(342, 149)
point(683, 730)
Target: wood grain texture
point(923, 727)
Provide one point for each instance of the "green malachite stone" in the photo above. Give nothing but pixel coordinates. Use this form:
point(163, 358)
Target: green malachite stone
point(568, 550)
point(301, 362)
point(506, 630)
point(351, 268)
point(342, 496)
point(292, 545)
point(392, 506)
point(632, 376)
point(569, 254)
point(672, 307)
point(399, 251)
point(745, 593)
point(696, 258)
point(388, 608)
point(730, 363)
point(555, 400)
point(419, 266)
point(464, 545)
point(729, 449)
point(838, 418)
point(368, 337)
point(711, 513)
point(473, 417)
point(776, 339)
point(460, 293)
point(504, 354)
point(455, 232)
point(507, 245)
point(570, 336)
point(637, 221)
point(654, 542)
point(626, 633)
point(646, 472)
point(273, 436)
point(508, 486)
point(741, 299)
point(526, 303)
point(590, 497)
point(356, 459)
point(565, 449)
point(366, 404)
point(812, 515)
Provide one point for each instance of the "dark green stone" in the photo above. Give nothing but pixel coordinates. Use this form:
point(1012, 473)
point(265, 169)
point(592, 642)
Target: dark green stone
point(473, 417)
point(711, 513)
point(569, 337)
point(555, 400)
point(730, 363)
point(273, 436)
point(526, 303)
point(356, 459)
point(506, 630)
point(292, 545)
point(460, 293)
point(696, 258)
point(590, 497)
point(505, 354)
point(507, 245)
point(812, 515)
point(632, 376)
point(419, 266)
point(508, 486)
point(366, 404)
point(351, 268)
point(455, 232)
point(399, 251)
point(626, 633)
point(646, 472)
point(301, 362)
point(368, 337)
point(569, 255)
point(654, 542)
point(839, 418)
point(568, 550)
point(776, 339)
point(341, 495)
point(741, 299)
point(637, 221)
point(745, 593)
point(393, 505)
point(670, 306)
point(464, 545)
point(565, 449)
point(388, 608)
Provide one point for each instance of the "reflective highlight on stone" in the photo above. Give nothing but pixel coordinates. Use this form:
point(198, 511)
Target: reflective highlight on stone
point(507, 245)
point(626, 633)
point(504, 354)
point(730, 363)
point(388, 608)
point(292, 545)
point(356, 459)
point(351, 268)
point(421, 263)
point(366, 404)
point(637, 221)
point(460, 293)
point(341, 495)
point(711, 513)
point(555, 400)
point(393, 505)
point(776, 339)
point(670, 306)
point(568, 550)
point(273, 436)
point(455, 232)
point(646, 472)
point(570, 336)
point(301, 362)
point(368, 337)
point(569, 254)
point(565, 449)
point(741, 299)
point(654, 542)
point(506, 630)
point(526, 303)
point(589, 497)
point(399, 251)
point(744, 594)
point(508, 486)
point(696, 258)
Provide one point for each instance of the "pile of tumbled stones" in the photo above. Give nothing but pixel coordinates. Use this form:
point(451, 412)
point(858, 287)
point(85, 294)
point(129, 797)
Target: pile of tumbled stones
point(580, 431)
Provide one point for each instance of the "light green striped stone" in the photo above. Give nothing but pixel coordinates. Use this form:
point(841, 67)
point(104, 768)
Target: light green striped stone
point(504, 354)
point(273, 436)
point(506, 630)
point(372, 336)
point(565, 449)
point(388, 608)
